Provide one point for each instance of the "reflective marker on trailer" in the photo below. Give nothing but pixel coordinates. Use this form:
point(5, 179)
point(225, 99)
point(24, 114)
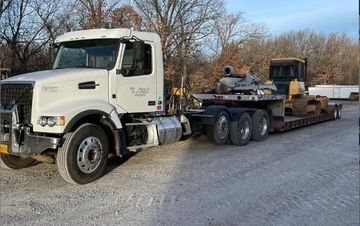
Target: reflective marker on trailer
point(4, 149)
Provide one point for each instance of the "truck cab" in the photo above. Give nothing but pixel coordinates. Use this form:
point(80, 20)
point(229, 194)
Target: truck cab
point(98, 76)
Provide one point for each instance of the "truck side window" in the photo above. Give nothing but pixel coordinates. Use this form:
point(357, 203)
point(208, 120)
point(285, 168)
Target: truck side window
point(132, 68)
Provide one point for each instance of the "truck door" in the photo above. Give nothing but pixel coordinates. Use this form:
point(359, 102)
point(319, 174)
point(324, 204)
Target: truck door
point(136, 81)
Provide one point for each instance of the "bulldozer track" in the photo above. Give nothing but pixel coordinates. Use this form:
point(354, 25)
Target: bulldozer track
point(299, 106)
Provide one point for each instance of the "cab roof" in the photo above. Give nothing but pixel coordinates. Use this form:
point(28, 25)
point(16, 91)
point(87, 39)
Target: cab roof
point(104, 33)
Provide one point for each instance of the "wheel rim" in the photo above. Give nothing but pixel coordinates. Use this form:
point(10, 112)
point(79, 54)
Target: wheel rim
point(222, 127)
point(335, 113)
point(244, 129)
point(89, 154)
point(263, 126)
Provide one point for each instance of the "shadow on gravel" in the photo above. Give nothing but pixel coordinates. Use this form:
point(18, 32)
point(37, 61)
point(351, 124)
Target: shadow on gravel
point(114, 162)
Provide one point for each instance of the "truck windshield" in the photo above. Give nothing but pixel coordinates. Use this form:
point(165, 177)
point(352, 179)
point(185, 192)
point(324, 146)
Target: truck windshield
point(87, 54)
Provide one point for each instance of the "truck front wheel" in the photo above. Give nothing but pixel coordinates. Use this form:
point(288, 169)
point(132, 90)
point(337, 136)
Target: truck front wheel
point(15, 162)
point(261, 125)
point(83, 156)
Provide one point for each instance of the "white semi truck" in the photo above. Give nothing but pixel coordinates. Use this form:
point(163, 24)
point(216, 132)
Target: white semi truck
point(105, 94)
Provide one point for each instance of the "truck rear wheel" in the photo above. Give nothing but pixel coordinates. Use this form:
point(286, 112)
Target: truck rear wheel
point(338, 110)
point(261, 125)
point(15, 162)
point(240, 130)
point(83, 156)
point(335, 112)
point(219, 132)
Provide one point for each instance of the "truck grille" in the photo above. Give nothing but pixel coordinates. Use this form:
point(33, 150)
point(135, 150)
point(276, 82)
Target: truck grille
point(21, 95)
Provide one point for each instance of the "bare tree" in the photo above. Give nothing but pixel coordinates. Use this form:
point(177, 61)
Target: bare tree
point(95, 13)
point(55, 16)
point(126, 16)
point(18, 33)
point(332, 58)
point(29, 26)
point(233, 29)
point(180, 24)
point(4, 5)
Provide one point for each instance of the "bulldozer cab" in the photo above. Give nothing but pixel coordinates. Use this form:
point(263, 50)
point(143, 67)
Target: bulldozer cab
point(284, 70)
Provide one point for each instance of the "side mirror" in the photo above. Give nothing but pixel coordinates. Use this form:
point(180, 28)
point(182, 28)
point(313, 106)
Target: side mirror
point(124, 72)
point(53, 52)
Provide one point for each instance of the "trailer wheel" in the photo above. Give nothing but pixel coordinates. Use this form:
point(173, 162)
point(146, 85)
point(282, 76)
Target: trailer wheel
point(240, 131)
point(84, 154)
point(260, 125)
point(335, 112)
point(14, 162)
point(219, 132)
point(338, 110)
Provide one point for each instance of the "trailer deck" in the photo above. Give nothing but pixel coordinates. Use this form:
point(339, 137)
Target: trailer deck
point(292, 122)
point(276, 103)
point(239, 97)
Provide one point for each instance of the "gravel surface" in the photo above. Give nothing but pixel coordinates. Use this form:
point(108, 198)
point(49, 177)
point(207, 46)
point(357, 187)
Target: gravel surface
point(308, 176)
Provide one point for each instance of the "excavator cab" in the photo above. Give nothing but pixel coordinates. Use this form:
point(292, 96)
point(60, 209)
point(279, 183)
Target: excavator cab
point(285, 70)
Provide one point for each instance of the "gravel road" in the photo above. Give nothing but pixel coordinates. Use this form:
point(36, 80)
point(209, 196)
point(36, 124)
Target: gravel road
point(308, 176)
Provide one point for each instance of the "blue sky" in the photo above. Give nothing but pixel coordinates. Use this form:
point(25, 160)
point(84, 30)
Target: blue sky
point(291, 15)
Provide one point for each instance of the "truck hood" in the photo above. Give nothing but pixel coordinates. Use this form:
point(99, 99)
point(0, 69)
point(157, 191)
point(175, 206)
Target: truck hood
point(58, 75)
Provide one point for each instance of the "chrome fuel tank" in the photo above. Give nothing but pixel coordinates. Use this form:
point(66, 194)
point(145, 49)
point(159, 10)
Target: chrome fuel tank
point(169, 129)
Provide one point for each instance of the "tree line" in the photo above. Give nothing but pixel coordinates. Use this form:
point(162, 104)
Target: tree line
point(199, 37)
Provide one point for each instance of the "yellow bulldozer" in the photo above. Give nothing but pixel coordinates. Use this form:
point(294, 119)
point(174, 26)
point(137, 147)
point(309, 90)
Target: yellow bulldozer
point(289, 76)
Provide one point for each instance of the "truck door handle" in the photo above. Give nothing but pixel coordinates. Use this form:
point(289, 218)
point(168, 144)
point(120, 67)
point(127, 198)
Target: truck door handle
point(88, 85)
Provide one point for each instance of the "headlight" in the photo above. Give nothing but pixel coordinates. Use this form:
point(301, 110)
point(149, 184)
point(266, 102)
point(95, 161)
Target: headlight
point(43, 121)
point(52, 121)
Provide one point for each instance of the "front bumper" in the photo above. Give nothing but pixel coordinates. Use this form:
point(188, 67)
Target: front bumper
point(17, 139)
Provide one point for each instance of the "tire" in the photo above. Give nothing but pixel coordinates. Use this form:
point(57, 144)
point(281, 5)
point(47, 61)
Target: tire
point(335, 112)
point(12, 162)
point(84, 155)
point(219, 132)
point(338, 112)
point(260, 125)
point(241, 130)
